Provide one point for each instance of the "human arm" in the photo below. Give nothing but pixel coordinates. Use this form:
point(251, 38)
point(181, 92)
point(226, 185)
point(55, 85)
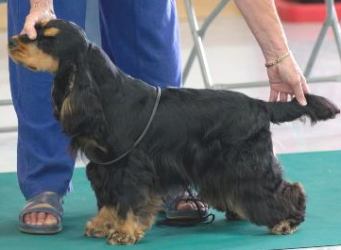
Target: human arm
point(40, 10)
point(285, 78)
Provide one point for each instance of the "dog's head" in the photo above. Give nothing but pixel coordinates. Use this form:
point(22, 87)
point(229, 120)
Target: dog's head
point(61, 48)
point(57, 40)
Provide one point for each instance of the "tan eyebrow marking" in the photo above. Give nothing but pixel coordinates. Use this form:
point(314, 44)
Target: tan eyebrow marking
point(51, 31)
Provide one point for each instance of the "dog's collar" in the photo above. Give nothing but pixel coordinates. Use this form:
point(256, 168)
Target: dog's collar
point(139, 139)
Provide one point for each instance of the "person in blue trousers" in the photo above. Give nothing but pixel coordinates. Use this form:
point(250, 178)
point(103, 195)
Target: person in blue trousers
point(142, 38)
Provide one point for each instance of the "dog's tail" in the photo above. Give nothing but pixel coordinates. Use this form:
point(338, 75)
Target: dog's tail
point(318, 108)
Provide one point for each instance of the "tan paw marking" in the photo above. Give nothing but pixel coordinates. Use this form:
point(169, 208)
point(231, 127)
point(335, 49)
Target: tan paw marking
point(117, 230)
point(122, 238)
point(100, 225)
point(283, 227)
point(95, 230)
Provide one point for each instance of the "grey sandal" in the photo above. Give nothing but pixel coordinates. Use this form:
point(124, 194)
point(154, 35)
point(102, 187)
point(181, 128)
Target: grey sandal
point(46, 202)
point(176, 217)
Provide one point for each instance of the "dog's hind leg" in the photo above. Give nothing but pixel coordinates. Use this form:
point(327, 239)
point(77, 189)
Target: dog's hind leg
point(258, 191)
point(294, 199)
point(281, 209)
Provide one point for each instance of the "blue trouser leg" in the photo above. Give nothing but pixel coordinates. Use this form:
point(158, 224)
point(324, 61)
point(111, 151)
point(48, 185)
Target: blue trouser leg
point(142, 38)
point(43, 163)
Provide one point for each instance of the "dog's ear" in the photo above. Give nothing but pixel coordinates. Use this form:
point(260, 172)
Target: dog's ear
point(61, 85)
point(77, 100)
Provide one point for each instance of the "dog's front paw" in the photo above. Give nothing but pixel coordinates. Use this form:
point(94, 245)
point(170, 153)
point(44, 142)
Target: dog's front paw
point(95, 229)
point(123, 238)
point(284, 227)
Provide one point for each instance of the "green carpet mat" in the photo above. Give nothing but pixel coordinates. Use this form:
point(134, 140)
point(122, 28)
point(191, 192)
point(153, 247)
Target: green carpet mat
point(319, 172)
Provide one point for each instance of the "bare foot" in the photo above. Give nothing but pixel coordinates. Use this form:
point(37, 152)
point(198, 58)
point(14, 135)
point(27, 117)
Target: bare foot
point(189, 205)
point(40, 219)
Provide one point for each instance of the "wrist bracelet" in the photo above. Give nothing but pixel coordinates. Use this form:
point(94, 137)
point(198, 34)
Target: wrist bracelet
point(277, 61)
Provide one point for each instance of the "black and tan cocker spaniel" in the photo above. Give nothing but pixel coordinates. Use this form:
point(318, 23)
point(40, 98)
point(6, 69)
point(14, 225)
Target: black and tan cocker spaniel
point(141, 141)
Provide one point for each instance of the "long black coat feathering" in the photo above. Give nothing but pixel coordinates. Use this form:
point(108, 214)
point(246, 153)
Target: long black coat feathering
point(216, 140)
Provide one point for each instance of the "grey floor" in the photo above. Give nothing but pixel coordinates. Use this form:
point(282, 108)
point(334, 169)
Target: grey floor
point(234, 57)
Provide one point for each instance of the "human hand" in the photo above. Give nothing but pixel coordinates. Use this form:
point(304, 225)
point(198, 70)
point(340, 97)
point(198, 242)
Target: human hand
point(41, 10)
point(286, 78)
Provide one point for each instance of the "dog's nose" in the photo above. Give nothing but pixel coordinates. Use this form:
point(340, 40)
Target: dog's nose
point(12, 43)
